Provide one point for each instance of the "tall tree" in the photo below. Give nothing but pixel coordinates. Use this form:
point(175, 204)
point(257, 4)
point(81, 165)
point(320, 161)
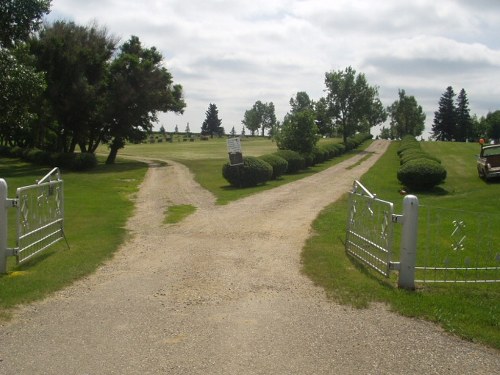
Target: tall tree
point(140, 87)
point(493, 125)
point(464, 120)
point(212, 124)
point(260, 116)
point(75, 60)
point(298, 132)
point(323, 118)
point(251, 120)
point(19, 18)
point(20, 84)
point(301, 102)
point(349, 98)
point(407, 117)
point(20, 87)
point(445, 118)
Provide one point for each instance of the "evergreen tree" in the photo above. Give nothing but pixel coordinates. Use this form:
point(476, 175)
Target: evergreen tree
point(233, 132)
point(464, 120)
point(445, 119)
point(212, 124)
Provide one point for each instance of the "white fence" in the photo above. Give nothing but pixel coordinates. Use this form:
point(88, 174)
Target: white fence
point(451, 245)
point(39, 219)
point(369, 234)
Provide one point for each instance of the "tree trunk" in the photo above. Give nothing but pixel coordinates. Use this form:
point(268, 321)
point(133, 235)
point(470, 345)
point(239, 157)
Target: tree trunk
point(115, 145)
point(112, 155)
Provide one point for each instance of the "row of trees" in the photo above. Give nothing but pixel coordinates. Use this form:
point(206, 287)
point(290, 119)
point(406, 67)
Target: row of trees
point(350, 106)
point(71, 86)
point(452, 121)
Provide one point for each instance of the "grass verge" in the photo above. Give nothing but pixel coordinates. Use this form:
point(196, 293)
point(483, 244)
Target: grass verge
point(176, 214)
point(471, 311)
point(97, 204)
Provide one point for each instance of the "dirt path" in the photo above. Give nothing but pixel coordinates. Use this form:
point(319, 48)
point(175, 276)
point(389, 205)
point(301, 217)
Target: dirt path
point(222, 293)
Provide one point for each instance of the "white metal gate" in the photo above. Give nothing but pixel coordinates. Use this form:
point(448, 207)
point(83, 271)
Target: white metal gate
point(369, 235)
point(39, 219)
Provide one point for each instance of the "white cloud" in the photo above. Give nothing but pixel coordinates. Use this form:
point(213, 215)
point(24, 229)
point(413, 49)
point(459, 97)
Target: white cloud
point(234, 52)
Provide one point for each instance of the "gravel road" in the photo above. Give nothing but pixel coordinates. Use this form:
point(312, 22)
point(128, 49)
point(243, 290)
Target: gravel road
point(222, 293)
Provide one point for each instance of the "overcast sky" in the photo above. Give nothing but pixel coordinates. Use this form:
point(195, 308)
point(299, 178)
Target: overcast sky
point(235, 52)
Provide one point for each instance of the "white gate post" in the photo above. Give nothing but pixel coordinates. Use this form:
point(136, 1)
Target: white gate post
point(408, 243)
point(3, 226)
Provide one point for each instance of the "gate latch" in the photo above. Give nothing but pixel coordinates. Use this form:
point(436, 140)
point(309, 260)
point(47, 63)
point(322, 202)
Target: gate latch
point(398, 219)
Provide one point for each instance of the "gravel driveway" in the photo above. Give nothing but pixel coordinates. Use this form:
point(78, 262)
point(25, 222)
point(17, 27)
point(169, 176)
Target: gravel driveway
point(222, 293)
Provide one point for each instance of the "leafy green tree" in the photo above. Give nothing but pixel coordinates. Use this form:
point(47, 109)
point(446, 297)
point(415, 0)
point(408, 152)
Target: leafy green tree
point(350, 99)
point(385, 133)
point(445, 118)
point(493, 125)
point(301, 102)
point(407, 117)
point(212, 124)
point(75, 60)
point(251, 121)
point(298, 132)
point(20, 86)
point(323, 118)
point(260, 116)
point(19, 18)
point(464, 121)
point(376, 116)
point(140, 87)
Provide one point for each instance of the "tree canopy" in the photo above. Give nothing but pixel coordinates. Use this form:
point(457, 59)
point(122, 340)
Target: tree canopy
point(407, 117)
point(139, 87)
point(260, 116)
point(19, 18)
point(350, 99)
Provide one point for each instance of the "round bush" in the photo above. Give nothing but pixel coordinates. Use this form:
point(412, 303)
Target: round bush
point(421, 174)
point(407, 156)
point(279, 164)
point(253, 172)
point(38, 156)
point(84, 161)
point(296, 162)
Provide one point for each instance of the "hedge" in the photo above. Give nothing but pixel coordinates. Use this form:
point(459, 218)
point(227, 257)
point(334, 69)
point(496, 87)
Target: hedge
point(254, 171)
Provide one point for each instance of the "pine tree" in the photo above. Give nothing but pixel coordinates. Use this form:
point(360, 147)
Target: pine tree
point(445, 119)
point(212, 124)
point(464, 120)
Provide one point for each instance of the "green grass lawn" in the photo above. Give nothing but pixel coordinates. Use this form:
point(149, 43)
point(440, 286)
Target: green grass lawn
point(471, 311)
point(206, 158)
point(97, 205)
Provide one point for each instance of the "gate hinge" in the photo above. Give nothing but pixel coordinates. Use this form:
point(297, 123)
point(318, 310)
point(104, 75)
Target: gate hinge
point(9, 203)
point(12, 252)
point(398, 219)
point(394, 266)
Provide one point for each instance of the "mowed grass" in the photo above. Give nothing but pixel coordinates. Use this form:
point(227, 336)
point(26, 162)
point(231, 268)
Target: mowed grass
point(471, 311)
point(206, 158)
point(97, 205)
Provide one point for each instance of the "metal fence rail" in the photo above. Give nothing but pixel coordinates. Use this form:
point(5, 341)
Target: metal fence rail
point(40, 216)
point(456, 246)
point(369, 229)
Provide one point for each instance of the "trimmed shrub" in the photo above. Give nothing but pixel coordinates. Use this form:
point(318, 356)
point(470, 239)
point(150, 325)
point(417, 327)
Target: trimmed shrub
point(421, 174)
point(254, 171)
point(38, 156)
point(279, 164)
point(417, 154)
point(84, 161)
point(296, 162)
